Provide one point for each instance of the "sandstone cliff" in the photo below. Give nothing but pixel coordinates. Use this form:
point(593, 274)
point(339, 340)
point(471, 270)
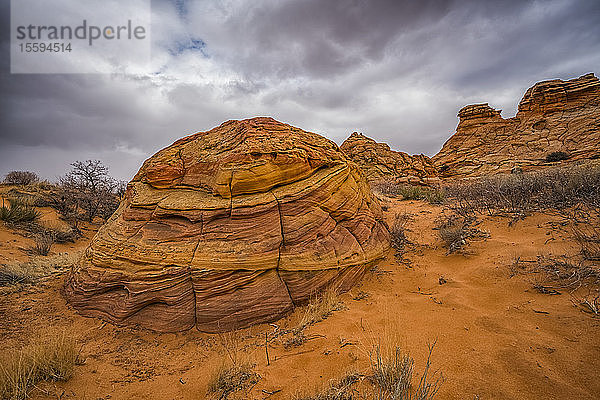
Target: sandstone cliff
point(231, 227)
point(379, 162)
point(560, 117)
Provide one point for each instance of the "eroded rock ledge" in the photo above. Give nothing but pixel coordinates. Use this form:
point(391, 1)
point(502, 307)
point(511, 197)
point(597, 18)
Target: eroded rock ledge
point(554, 116)
point(380, 163)
point(231, 227)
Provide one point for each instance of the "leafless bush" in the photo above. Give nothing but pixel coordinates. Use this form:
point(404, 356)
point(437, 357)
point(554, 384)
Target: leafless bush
point(20, 178)
point(559, 273)
point(585, 226)
point(456, 231)
point(399, 241)
point(42, 244)
point(591, 304)
point(519, 194)
point(87, 189)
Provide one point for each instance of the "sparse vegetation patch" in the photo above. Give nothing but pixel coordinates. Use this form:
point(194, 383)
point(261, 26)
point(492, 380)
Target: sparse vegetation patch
point(18, 211)
point(52, 357)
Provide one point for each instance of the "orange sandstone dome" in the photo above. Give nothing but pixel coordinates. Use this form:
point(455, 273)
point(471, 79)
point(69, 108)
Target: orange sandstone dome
point(231, 227)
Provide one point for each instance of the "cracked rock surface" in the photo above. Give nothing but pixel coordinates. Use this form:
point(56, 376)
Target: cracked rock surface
point(553, 116)
point(380, 163)
point(231, 227)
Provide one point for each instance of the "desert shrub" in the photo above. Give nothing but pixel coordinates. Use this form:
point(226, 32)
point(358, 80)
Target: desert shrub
point(52, 357)
point(18, 211)
point(410, 192)
point(557, 156)
point(42, 244)
point(455, 231)
point(65, 236)
point(386, 187)
point(340, 389)
point(87, 192)
point(399, 241)
point(520, 194)
point(20, 178)
point(432, 195)
point(585, 227)
point(230, 379)
point(390, 376)
point(392, 373)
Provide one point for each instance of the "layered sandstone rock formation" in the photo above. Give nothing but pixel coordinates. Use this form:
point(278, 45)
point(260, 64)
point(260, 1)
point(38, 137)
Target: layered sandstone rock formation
point(231, 227)
point(380, 163)
point(553, 116)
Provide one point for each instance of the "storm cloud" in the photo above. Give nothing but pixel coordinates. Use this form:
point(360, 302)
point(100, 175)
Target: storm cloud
point(397, 71)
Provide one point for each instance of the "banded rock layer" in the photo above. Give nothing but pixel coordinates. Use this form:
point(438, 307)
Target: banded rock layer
point(553, 116)
point(380, 163)
point(231, 227)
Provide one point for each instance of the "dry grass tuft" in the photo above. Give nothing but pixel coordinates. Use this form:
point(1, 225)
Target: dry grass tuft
point(432, 195)
point(398, 230)
point(231, 379)
point(15, 275)
point(42, 244)
point(341, 389)
point(392, 375)
point(456, 231)
point(321, 307)
point(51, 358)
point(235, 373)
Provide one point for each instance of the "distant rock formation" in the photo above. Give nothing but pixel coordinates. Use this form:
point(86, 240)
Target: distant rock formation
point(231, 227)
point(556, 120)
point(380, 163)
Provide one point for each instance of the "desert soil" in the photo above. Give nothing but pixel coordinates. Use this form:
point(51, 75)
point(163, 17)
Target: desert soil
point(496, 337)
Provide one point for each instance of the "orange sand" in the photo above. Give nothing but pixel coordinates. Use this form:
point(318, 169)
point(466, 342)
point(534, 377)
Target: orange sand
point(496, 337)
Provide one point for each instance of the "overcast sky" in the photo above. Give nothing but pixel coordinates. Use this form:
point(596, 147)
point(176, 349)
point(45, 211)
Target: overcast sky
point(398, 71)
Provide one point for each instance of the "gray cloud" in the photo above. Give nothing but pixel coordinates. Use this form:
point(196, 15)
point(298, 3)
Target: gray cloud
point(396, 70)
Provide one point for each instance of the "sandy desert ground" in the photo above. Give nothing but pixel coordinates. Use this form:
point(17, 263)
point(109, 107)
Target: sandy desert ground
point(495, 336)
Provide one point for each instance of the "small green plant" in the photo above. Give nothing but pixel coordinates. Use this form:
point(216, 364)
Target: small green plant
point(18, 211)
